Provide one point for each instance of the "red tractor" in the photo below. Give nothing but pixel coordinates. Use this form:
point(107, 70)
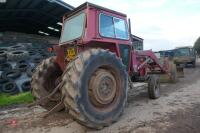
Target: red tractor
point(94, 68)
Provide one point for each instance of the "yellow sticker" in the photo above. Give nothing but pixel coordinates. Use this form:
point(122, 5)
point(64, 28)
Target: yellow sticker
point(71, 53)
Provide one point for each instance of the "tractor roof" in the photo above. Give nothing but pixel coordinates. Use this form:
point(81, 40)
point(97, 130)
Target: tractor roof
point(87, 4)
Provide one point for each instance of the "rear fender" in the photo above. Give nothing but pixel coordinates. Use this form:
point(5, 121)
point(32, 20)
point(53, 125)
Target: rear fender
point(60, 59)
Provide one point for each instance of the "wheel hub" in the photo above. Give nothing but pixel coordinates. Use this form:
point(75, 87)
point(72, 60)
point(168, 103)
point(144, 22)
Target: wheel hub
point(102, 87)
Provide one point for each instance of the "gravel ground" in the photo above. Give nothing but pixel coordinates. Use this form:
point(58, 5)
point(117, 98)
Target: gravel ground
point(176, 111)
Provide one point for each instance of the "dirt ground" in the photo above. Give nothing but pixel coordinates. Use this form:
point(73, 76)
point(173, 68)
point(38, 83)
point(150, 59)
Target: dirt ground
point(176, 111)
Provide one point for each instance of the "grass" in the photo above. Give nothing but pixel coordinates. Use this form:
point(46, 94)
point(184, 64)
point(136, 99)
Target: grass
point(15, 99)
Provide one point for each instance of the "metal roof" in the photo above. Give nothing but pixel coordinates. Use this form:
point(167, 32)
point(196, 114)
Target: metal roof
point(136, 38)
point(33, 16)
point(88, 4)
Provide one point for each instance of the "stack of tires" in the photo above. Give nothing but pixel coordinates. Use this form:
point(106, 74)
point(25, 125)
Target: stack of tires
point(17, 63)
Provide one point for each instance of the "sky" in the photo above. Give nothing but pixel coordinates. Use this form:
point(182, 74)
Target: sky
point(163, 24)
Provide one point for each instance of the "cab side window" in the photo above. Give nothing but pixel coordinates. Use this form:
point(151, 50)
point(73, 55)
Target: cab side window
point(120, 29)
point(113, 27)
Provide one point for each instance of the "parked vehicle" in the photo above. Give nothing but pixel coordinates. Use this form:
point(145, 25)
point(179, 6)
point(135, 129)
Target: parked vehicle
point(185, 55)
point(94, 67)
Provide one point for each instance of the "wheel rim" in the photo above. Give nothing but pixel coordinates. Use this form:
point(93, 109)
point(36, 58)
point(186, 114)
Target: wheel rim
point(102, 88)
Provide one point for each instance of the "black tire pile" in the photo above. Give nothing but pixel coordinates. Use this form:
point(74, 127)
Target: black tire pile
point(17, 64)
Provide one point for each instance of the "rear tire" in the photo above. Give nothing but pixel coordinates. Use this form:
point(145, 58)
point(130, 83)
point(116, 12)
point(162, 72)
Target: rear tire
point(95, 88)
point(43, 82)
point(154, 87)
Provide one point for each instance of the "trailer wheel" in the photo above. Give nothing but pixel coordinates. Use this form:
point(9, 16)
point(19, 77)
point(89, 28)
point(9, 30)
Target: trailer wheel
point(44, 81)
point(154, 87)
point(95, 88)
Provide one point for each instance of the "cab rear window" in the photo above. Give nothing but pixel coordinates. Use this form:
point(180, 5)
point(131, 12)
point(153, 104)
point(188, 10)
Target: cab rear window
point(75, 24)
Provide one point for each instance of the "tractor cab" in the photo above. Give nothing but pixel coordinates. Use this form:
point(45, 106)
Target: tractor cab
point(92, 23)
point(92, 26)
point(184, 52)
point(185, 55)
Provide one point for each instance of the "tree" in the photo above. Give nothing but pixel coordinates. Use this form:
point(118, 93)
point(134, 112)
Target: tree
point(197, 46)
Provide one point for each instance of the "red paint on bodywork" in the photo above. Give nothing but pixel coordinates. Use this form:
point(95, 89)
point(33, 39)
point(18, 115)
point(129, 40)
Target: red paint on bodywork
point(92, 39)
point(60, 57)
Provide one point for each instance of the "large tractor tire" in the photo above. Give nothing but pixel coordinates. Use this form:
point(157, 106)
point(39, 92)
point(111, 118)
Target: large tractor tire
point(95, 88)
point(44, 81)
